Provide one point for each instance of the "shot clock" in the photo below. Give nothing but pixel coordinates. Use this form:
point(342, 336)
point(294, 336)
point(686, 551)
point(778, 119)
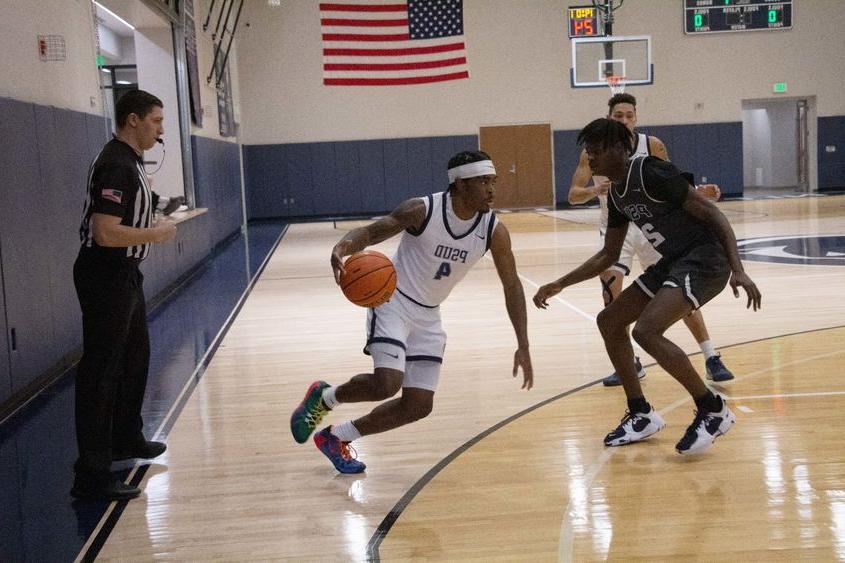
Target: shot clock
point(585, 21)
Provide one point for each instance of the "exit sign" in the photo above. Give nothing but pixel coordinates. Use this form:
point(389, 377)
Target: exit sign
point(779, 87)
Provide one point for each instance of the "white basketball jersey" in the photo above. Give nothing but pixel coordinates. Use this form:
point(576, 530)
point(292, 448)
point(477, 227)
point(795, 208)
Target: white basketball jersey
point(640, 150)
point(432, 260)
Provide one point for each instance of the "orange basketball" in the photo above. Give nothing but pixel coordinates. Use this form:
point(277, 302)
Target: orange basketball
point(369, 280)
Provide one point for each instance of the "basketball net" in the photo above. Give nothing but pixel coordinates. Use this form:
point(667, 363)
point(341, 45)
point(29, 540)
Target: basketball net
point(616, 83)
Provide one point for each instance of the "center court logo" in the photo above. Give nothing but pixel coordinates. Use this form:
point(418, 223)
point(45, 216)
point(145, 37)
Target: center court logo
point(820, 250)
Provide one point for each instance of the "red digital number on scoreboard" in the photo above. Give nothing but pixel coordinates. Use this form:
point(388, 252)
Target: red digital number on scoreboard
point(583, 28)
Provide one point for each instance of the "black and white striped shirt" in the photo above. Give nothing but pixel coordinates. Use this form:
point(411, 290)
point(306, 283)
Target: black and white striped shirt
point(117, 185)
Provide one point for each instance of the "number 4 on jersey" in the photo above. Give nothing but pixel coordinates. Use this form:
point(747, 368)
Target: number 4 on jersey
point(444, 270)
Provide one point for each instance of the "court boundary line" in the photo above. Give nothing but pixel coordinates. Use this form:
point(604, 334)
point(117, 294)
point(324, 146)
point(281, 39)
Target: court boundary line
point(788, 395)
point(557, 297)
point(373, 545)
point(98, 537)
point(392, 516)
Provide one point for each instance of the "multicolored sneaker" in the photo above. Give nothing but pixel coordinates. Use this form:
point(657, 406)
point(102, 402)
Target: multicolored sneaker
point(341, 454)
point(613, 379)
point(309, 413)
point(716, 370)
point(705, 428)
point(635, 427)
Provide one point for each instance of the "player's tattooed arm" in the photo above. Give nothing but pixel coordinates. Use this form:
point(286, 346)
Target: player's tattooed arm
point(409, 214)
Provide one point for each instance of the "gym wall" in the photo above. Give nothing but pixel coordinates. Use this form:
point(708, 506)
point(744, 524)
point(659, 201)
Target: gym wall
point(519, 57)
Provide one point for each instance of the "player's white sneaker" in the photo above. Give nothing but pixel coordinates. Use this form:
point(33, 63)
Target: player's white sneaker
point(705, 428)
point(635, 427)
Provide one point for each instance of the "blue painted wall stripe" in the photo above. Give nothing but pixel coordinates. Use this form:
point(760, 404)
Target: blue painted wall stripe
point(373, 176)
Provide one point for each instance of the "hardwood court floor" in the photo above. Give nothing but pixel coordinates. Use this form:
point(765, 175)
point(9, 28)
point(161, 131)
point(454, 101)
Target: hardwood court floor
point(235, 486)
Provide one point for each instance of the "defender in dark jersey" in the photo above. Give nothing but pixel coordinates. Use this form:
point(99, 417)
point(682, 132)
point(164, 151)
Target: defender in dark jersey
point(116, 231)
point(699, 256)
point(623, 108)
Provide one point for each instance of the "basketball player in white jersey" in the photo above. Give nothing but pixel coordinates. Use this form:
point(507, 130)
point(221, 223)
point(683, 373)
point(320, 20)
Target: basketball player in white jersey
point(623, 108)
point(698, 258)
point(443, 236)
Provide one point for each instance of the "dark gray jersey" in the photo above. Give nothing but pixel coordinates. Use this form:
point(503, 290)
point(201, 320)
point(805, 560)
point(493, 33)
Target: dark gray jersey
point(652, 198)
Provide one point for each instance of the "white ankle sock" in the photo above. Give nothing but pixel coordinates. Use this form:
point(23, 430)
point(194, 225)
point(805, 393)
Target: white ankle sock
point(707, 349)
point(329, 398)
point(346, 431)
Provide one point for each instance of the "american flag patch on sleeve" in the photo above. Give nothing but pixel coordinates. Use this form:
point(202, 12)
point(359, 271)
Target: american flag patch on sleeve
point(111, 195)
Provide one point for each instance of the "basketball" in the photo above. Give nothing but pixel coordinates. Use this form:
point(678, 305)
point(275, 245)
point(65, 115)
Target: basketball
point(369, 280)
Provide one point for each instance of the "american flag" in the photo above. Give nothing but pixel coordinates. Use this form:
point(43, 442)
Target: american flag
point(111, 195)
point(376, 43)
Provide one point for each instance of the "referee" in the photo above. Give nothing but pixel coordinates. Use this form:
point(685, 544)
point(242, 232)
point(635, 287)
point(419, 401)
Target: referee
point(116, 232)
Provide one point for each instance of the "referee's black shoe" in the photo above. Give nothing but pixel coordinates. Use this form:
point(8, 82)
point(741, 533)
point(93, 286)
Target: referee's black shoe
point(144, 450)
point(111, 488)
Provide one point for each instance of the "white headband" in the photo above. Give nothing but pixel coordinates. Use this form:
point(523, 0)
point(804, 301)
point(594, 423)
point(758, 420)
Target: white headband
point(471, 170)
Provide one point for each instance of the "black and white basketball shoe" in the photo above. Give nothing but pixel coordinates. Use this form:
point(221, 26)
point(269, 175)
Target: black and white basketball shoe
point(635, 427)
point(705, 428)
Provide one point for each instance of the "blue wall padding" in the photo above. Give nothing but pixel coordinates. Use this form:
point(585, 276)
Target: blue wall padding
point(346, 177)
point(45, 153)
point(217, 184)
point(373, 176)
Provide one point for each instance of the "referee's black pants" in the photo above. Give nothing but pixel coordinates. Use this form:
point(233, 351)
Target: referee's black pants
point(112, 374)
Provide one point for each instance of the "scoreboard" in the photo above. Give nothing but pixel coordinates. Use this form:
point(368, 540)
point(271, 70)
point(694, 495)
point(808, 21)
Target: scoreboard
point(584, 21)
point(714, 16)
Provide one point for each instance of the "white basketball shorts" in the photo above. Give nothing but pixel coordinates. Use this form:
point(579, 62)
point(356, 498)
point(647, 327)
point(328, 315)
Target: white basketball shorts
point(408, 337)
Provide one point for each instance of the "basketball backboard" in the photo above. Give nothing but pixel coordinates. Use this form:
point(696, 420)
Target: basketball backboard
point(596, 58)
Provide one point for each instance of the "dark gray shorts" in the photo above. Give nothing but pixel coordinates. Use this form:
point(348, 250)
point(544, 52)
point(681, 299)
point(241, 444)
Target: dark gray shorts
point(702, 274)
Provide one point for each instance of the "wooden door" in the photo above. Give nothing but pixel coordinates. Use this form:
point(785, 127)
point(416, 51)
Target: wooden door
point(523, 158)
